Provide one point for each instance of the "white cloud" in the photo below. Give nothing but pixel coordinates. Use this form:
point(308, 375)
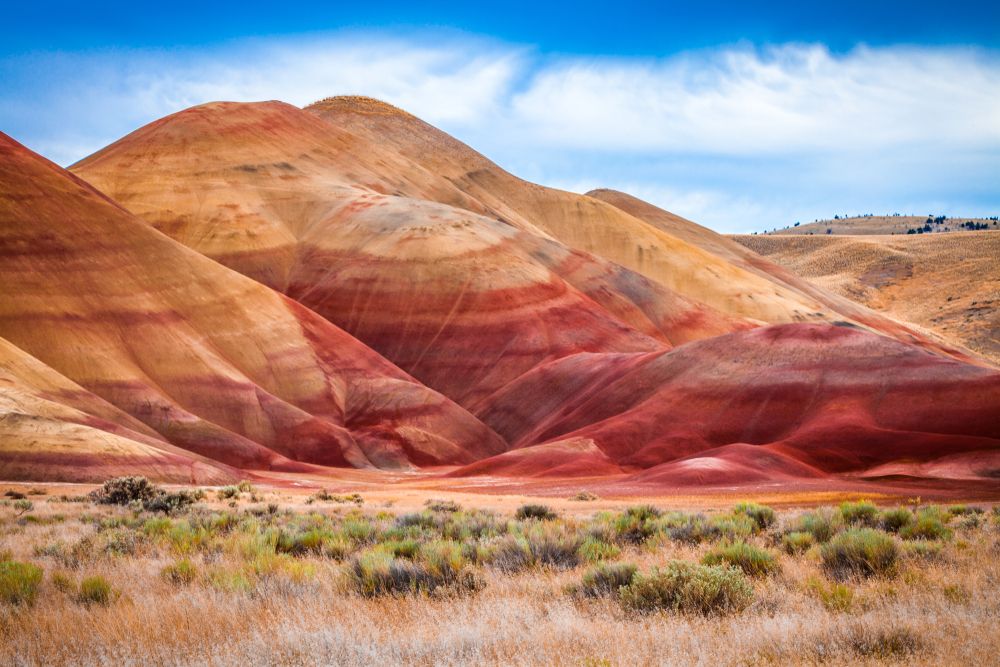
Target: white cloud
point(746, 101)
point(736, 137)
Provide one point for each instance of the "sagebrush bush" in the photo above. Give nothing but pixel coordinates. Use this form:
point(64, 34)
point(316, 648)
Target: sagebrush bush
point(863, 513)
point(893, 520)
point(687, 528)
point(861, 551)
point(762, 515)
point(835, 596)
point(922, 549)
point(753, 561)
point(686, 587)
point(510, 553)
point(606, 579)
point(541, 512)
point(796, 543)
point(554, 545)
point(595, 550)
point(125, 490)
point(734, 526)
point(181, 573)
point(928, 525)
point(438, 505)
point(441, 567)
point(19, 582)
point(823, 524)
point(95, 590)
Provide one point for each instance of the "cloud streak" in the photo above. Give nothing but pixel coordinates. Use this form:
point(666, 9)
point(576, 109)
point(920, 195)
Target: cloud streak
point(738, 137)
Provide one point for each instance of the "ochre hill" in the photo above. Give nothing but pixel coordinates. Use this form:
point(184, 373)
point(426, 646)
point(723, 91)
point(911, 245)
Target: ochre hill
point(52, 428)
point(463, 302)
point(211, 361)
point(786, 401)
point(948, 283)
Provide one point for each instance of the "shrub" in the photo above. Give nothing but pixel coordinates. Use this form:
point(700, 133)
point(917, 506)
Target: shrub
point(862, 513)
point(228, 492)
point(540, 512)
point(375, 573)
point(554, 546)
point(927, 526)
point(95, 590)
point(925, 549)
point(636, 524)
point(823, 524)
point(23, 506)
point(14, 495)
point(895, 520)
point(762, 515)
point(436, 505)
point(883, 643)
point(606, 579)
point(62, 582)
point(510, 553)
point(125, 490)
point(796, 543)
point(169, 503)
point(594, 550)
point(687, 528)
point(835, 597)
point(688, 587)
point(181, 573)
point(19, 582)
point(963, 510)
point(862, 551)
point(585, 496)
point(733, 526)
point(754, 561)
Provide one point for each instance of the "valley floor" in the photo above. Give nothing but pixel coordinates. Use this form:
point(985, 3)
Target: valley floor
point(288, 576)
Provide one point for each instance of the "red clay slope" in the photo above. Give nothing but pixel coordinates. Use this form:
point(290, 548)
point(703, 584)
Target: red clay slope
point(686, 258)
point(821, 399)
point(464, 303)
point(213, 362)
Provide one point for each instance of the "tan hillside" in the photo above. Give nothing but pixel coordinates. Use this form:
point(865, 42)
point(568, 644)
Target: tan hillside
point(947, 283)
point(887, 224)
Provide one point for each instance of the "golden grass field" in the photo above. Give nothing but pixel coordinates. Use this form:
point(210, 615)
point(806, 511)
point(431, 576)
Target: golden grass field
point(264, 576)
point(945, 283)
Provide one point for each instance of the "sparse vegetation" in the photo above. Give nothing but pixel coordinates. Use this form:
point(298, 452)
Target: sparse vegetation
point(860, 551)
point(688, 587)
point(511, 589)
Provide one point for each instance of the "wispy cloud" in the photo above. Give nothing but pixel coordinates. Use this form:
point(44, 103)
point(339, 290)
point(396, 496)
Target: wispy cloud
point(739, 137)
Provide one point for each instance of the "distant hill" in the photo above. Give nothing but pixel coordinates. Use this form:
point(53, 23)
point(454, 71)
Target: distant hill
point(889, 224)
point(948, 282)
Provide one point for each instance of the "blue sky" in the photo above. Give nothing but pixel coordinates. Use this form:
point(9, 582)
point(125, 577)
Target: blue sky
point(739, 116)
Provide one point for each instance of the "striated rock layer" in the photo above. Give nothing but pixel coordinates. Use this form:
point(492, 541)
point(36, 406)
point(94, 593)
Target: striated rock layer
point(210, 361)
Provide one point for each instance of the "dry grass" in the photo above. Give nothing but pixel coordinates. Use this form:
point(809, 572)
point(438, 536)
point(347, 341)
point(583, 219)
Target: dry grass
point(240, 602)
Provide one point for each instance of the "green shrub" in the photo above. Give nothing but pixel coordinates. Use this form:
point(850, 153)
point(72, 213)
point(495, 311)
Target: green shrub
point(733, 526)
point(594, 550)
point(554, 545)
point(19, 582)
point(965, 510)
point(754, 561)
point(95, 590)
point(228, 492)
point(762, 515)
point(863, 513)
point(835, 597)
point(927, 526)
point(862, 551)
point(125, 490)
point(923, 549)
point(181, 573)
point(687, 528)
point(510, 553)
point(690, 588)
point(441, 567)
point(823, 524)
point(606, 579)
point(636, 524)
point(894, 520)
point(796, 543)
point(402, 548)
point(540, 512)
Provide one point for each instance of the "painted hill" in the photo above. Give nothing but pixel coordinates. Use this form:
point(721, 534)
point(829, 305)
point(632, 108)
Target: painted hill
point(206, 359)
point(945, 283)
point(463, 302)
point(786, 401)
point(578, 335)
